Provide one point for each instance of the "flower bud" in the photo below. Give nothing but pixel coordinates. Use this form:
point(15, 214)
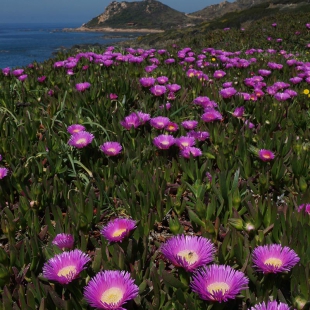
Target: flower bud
point(174, 226)
point(236, 223)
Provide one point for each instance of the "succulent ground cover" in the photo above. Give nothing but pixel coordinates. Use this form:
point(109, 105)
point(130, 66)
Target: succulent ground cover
point(171, 178)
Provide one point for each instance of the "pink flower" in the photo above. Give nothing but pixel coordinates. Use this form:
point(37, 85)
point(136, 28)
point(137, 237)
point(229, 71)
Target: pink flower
point(111, 148)
point(118, 229)
point(164, 142)
point(265, 155)
point(82, 86)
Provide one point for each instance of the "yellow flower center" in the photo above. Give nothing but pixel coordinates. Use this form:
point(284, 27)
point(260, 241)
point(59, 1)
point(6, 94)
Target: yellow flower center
point(76, 130)
point(81, 141)
point(213, 59)
point(185, 144)
point(276, 262)
point(118, 232)
point(165, 142)
point(306, 91)
point(190, 256)
point(66, 271)
point(112, 296)
point(218, 287)
point(111, 149)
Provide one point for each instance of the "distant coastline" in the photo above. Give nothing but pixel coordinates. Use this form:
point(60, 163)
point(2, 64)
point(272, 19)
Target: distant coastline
point(109, 29)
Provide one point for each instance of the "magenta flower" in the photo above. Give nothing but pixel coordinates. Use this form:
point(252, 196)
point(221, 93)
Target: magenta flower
point(173, 87)
point(188, 252)
point(6, 71)
point(110, 289)
point(118, 229)
point(199, 135)
point(132, 120)
point(113, 96)
point(219, 74)
point(189, 151)
point(282, 96)
point(18, 72)
point(274, 258)
point(159, 122)
point(64, 241)
point(185, 141)
point(82, 86)
point(42, 78)
point(147, 81)
point(172, 127)
point(143, 117)
point(162, 80)
point(265, 155)
point(228, 92)
point(304, 207)
point(81, 139)
point(75, 128)
point(189, 124)
point(111, 148)
point(158, 90)
point(271, 305)
point(238, 112)
point(166, 106)
point(264, 72)
point(23, 77)
point(211, 115)
point(164, 142)
point(65, 267)
point(218, 283)
point(3, 172)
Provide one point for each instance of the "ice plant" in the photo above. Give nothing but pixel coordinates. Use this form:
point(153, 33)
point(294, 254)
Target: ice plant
point(159, 122)
point(110, 289)
point(64, 241)
point(147, 81)
point(189, 151)
point(188, 252)
point(158, 90)
point(111, 148)
point(189, 124)
point(3, 172)
point(172, 127)
point(118, 229)
point(211, 115)
point(273, 258)
point(239, 111)
point(132, 120)
point(218, 283)
point(265, 155)
point(185, 141)
point(304, 207)
point(164, 142)
point(75, 128)
point(65, 267)
point(271, 305)
point(82, 86)
point(81, 139)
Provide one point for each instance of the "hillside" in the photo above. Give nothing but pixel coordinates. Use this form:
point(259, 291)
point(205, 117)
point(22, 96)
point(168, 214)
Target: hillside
point(150, 14)
point(254, 17)
point(218, 10)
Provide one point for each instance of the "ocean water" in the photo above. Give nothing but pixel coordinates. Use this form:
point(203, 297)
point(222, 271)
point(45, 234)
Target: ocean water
point(21, 44)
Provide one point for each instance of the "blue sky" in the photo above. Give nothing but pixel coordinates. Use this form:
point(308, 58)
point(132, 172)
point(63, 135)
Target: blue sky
point(75, 11)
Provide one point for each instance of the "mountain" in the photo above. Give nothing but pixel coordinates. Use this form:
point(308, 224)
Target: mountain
point(218, 10)
point(149, 14)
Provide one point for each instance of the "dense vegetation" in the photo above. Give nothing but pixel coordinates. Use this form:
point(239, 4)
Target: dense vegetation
point(237, 182)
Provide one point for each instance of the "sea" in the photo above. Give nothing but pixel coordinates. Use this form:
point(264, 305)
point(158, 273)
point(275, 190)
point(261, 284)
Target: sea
point(22, 44)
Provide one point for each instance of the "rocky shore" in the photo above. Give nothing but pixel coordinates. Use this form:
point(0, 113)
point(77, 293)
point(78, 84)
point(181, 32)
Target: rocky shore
point(109, 29)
